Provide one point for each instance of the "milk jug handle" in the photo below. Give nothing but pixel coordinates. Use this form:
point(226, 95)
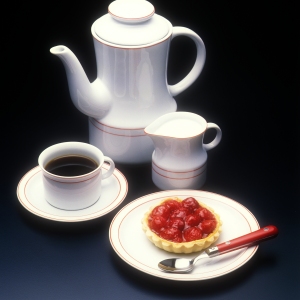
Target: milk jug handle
point(216, 140)
point(199, 63)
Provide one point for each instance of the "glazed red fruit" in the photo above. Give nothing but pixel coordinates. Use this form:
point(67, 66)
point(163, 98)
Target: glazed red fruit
point(160, 210)
point(170, 233)
point(178, 239)
point(172, 205)
point(190, 203)
point(157, 223)
point(177, 223)
point(205, 214)
point(192, 234)
point(207, 226)
point(181, 221)
point(181, 212)
point(192, 220)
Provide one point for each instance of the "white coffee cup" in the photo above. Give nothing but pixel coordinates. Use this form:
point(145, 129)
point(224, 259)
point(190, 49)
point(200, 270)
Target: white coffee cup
point(74, 192)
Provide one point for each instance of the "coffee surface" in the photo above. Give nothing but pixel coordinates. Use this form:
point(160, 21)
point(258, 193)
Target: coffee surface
point(71, 165)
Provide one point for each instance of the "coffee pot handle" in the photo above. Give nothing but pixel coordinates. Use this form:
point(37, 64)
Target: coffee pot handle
point(216, 140)
point(199, 63)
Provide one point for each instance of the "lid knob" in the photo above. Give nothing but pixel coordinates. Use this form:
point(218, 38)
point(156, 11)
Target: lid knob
point(131, 11)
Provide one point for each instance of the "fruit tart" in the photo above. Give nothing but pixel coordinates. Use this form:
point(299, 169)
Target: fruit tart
point(181, 226)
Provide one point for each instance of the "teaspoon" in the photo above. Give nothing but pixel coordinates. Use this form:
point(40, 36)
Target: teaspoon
point(184, 265)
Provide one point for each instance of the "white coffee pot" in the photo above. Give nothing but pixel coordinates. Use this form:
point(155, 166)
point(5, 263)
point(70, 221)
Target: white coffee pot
point(131, 89)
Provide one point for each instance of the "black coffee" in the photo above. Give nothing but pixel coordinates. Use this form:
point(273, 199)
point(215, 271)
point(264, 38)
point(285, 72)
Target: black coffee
point(71, 165)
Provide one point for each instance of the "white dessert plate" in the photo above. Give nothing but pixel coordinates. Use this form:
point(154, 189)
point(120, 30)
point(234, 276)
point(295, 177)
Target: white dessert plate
point(131, 244)
point(30, 194)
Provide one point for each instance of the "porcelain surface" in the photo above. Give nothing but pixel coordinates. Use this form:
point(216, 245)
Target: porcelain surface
point(30, 192)
point(131, 89)
point(130, 146)
point(131, 11)
point(116, 26)
point(237, 220)
point(180, 156)
point(74, 192)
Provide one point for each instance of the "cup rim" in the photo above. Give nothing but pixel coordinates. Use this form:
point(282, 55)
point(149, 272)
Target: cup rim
point(63, 146)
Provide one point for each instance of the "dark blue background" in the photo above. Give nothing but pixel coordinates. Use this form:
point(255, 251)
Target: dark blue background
point(249, 87)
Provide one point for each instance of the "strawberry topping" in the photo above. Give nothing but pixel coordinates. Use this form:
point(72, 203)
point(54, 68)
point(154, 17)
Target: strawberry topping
point(182, 221)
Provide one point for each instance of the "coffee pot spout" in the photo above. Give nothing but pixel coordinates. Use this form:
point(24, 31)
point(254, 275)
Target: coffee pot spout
point(92, 99)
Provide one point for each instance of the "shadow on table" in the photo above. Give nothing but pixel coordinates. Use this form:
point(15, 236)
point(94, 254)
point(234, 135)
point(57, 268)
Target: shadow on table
point(181, 289)
point(90, 227)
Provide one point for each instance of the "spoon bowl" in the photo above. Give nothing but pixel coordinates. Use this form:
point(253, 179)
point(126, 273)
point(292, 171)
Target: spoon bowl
point(180, 265)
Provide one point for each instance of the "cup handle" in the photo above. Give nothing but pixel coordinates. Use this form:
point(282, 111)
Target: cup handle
point(216, 140)
point(199, 63)
point(111, 167)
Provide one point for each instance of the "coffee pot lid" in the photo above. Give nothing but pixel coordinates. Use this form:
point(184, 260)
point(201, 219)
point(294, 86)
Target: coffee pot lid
point(131, 23)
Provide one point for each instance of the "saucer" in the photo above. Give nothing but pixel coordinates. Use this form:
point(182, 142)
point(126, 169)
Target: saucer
point(30, 194)
point(137, 251)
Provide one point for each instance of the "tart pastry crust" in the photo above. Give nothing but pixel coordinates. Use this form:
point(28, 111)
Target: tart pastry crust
point(183, 247)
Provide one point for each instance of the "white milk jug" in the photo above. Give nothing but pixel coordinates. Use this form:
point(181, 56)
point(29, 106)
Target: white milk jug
point(180, 156)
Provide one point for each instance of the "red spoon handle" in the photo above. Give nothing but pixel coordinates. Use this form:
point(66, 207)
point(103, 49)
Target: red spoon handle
point(248, 239)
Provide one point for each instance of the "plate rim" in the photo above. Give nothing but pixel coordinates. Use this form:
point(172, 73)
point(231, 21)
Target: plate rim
point(172, 276)
point(20, 191)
